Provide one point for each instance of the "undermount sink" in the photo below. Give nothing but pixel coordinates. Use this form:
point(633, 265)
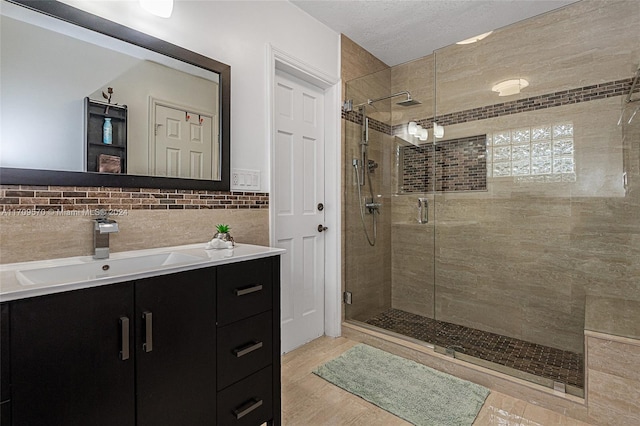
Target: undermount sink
point(103, 268)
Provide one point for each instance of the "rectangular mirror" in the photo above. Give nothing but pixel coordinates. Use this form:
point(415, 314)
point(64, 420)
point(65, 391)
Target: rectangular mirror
point(165, 109)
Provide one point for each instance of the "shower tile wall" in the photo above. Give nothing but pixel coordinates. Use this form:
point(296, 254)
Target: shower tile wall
point(367, 269)
point(520, 258)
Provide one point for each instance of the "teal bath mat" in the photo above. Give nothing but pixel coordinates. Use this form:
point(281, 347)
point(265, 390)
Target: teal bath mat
point(412, 391)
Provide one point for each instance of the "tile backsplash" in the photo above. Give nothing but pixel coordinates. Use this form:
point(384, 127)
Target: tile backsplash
point(452, 165)
point(48, 222)
point(43, 199)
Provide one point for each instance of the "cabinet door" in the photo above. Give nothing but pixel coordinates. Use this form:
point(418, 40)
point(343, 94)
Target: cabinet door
point(176, 367)
point(66, 360)
point(5, 403)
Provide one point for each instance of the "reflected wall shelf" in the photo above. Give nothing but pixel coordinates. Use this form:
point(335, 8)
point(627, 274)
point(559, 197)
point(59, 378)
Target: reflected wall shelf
point(95, 112)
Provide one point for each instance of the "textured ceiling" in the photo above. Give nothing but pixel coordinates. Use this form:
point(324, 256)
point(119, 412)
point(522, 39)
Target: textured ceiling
point(402, 30)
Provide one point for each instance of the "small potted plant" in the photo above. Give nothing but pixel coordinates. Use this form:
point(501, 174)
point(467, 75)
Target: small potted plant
point(223, 232)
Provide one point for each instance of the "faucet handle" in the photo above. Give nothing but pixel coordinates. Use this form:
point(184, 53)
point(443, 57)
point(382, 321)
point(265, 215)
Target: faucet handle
point(108, 227)
point(105, 226)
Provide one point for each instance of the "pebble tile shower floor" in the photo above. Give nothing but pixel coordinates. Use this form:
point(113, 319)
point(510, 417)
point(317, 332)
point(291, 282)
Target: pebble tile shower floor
point(543, 361)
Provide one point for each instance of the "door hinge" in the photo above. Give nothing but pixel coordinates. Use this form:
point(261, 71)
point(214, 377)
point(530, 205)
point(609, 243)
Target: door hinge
point(347, 297)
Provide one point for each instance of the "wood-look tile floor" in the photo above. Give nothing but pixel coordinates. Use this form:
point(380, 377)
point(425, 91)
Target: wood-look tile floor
point(308, 400)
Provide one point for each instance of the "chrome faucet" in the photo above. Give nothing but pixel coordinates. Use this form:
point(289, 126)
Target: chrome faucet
point(103, 226)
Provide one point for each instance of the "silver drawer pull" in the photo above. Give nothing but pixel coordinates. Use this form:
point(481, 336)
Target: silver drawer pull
point(124, 335)
point(248, 290)
point(147, 346)
point(247, 407)
point(248, 348)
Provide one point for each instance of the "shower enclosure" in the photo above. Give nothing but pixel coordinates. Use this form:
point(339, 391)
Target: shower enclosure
point(485, 242)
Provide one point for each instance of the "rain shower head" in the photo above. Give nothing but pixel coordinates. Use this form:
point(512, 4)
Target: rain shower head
point(348, 106)
point(408, 102)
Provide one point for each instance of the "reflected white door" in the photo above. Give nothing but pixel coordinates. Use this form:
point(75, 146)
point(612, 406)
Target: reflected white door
point(297, 190)
point(182, 144)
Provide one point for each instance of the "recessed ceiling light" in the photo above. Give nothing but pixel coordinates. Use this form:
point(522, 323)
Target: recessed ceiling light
point(510, 87)
point(474, 39)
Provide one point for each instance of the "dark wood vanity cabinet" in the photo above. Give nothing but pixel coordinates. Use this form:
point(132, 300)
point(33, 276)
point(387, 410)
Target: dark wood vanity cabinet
point(248, 317)
point(66, 366)
point(5, 390)
point(175, 349)
point(155, 351)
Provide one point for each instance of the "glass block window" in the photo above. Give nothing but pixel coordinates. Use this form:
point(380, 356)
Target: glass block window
point(536, 154)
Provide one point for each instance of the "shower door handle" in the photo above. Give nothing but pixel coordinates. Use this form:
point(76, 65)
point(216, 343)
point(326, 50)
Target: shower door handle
point(322, 228)
point(423, 210)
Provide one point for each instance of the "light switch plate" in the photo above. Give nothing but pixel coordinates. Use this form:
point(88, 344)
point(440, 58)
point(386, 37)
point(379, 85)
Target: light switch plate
point(245, 180)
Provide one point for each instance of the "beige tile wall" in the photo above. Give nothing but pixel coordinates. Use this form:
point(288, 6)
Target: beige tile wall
point(585, 43)
point(613, 379)
point(25, 238)
point(366, 270)
point(520, 258)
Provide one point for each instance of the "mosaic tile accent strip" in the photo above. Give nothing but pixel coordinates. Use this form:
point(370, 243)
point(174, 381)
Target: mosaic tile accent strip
point(564, 97)
point(550, 100)
point(27, 199)
point(551, 363)
point(356, 117)
point(456, 165)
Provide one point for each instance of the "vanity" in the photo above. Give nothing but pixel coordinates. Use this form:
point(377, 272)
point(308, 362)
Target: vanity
point(188, 337)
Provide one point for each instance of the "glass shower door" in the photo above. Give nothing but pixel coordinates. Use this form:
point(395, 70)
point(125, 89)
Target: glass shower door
point(388, 264)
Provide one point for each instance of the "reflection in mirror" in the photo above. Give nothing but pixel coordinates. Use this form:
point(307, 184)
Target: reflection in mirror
point(165, 116)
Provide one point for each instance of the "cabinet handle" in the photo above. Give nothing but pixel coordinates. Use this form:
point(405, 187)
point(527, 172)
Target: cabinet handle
point(248, 290)
point(247, 407)
point(147, 345)
point(248, 348)
point(124, 335)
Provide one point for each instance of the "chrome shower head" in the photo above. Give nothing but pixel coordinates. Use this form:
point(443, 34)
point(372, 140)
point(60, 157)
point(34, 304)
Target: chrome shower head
point(408, 102)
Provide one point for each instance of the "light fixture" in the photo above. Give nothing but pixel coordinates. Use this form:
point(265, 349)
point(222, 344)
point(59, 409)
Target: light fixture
point(438, 131)
point(474, 39)
point(510, 87)
point(416, 130)
point(161, 8)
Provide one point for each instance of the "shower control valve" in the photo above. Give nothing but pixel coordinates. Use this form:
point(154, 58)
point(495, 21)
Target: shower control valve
point(372, 206)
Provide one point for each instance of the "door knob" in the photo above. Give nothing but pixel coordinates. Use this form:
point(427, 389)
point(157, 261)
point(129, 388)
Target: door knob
point(322, 228)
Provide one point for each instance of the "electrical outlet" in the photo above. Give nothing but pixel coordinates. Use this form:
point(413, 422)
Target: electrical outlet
point(245, 180)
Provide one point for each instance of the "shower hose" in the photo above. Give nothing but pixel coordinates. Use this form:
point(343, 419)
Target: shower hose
point(362, 206)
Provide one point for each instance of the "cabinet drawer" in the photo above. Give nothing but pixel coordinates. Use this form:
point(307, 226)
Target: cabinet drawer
point(244, 289)
point(244, 347)
point(248, 402)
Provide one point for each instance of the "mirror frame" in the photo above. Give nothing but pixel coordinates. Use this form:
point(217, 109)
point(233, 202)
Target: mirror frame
point(18, 176)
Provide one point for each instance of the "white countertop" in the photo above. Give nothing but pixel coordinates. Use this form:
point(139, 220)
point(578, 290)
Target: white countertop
point(12, 289)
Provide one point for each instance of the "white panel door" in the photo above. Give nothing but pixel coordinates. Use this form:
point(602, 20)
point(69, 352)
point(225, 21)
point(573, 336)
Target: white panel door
point(182, 144)
point(297, 190)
